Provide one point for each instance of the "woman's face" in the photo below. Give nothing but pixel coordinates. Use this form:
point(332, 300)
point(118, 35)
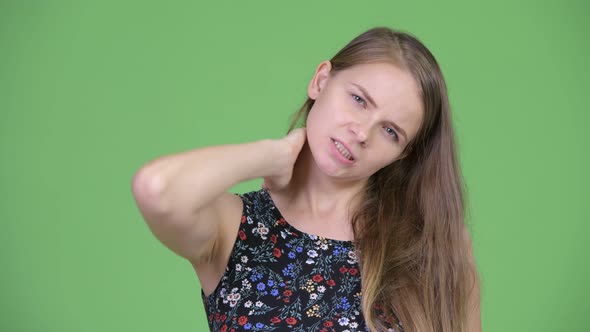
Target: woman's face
point(362, 118)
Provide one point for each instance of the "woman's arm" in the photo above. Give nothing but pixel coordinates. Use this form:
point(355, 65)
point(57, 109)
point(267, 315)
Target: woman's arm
point(183, 197)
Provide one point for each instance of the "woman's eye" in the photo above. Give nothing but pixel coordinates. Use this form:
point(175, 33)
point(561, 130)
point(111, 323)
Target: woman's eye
point(391, 132)
point(358, 99)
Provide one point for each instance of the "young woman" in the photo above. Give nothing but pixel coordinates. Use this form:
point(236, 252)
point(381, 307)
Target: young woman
point(360, 222)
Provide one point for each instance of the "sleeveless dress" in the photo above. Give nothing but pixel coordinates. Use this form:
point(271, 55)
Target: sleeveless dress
point(281, 279)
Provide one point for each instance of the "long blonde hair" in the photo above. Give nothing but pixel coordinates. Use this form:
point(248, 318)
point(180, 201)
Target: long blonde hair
point(409, 231)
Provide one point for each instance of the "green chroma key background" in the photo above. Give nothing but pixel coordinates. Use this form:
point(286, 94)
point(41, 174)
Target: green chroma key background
point(91, 90)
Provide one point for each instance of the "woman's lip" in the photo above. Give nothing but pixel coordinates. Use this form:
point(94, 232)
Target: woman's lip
point(339, 156)
point(346, 147)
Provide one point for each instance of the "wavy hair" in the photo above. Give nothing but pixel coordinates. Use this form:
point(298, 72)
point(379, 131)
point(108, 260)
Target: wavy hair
point(409, 231)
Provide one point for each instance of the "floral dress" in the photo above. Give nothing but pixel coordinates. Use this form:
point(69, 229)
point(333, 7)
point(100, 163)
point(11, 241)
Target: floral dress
point(281, 279)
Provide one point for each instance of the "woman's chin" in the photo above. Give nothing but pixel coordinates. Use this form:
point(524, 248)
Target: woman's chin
point(330, 168)
point(327, 164)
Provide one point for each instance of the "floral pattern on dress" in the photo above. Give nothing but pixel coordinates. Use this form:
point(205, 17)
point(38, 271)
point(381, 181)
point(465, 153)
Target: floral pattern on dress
point(281, 279)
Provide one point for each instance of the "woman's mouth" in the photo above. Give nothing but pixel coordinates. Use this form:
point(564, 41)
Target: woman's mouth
point(343, 150)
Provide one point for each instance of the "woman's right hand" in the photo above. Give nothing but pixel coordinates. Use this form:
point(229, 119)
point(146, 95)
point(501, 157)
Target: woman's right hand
point(288, 149)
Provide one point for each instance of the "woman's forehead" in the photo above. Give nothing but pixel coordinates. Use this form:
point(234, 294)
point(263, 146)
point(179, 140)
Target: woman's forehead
point(378, 74)
point(388, 85)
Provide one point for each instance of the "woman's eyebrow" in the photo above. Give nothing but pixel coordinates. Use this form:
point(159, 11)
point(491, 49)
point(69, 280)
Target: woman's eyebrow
point(370, 99)
point(367, 95)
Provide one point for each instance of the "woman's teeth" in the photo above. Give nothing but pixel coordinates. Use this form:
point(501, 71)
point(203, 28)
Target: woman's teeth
point(343, 150)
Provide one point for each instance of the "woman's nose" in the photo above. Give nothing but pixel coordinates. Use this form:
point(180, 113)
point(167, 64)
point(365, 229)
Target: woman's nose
point(360, 133)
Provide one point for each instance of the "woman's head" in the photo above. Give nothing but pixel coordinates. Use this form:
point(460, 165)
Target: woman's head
point(409, 229)
point(384, 67)
point(362, 118)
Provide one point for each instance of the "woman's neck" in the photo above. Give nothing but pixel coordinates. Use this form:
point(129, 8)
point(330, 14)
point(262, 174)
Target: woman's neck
point(317, 195)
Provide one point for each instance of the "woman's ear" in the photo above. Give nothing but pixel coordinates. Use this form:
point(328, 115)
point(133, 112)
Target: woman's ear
point(319, 80)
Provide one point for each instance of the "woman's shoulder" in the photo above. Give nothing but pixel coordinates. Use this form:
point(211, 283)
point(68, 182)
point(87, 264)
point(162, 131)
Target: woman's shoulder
point(258, 206)
point(251, 196)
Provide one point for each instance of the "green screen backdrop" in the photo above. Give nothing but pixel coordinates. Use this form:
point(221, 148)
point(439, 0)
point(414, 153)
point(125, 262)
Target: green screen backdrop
point(91, 90)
